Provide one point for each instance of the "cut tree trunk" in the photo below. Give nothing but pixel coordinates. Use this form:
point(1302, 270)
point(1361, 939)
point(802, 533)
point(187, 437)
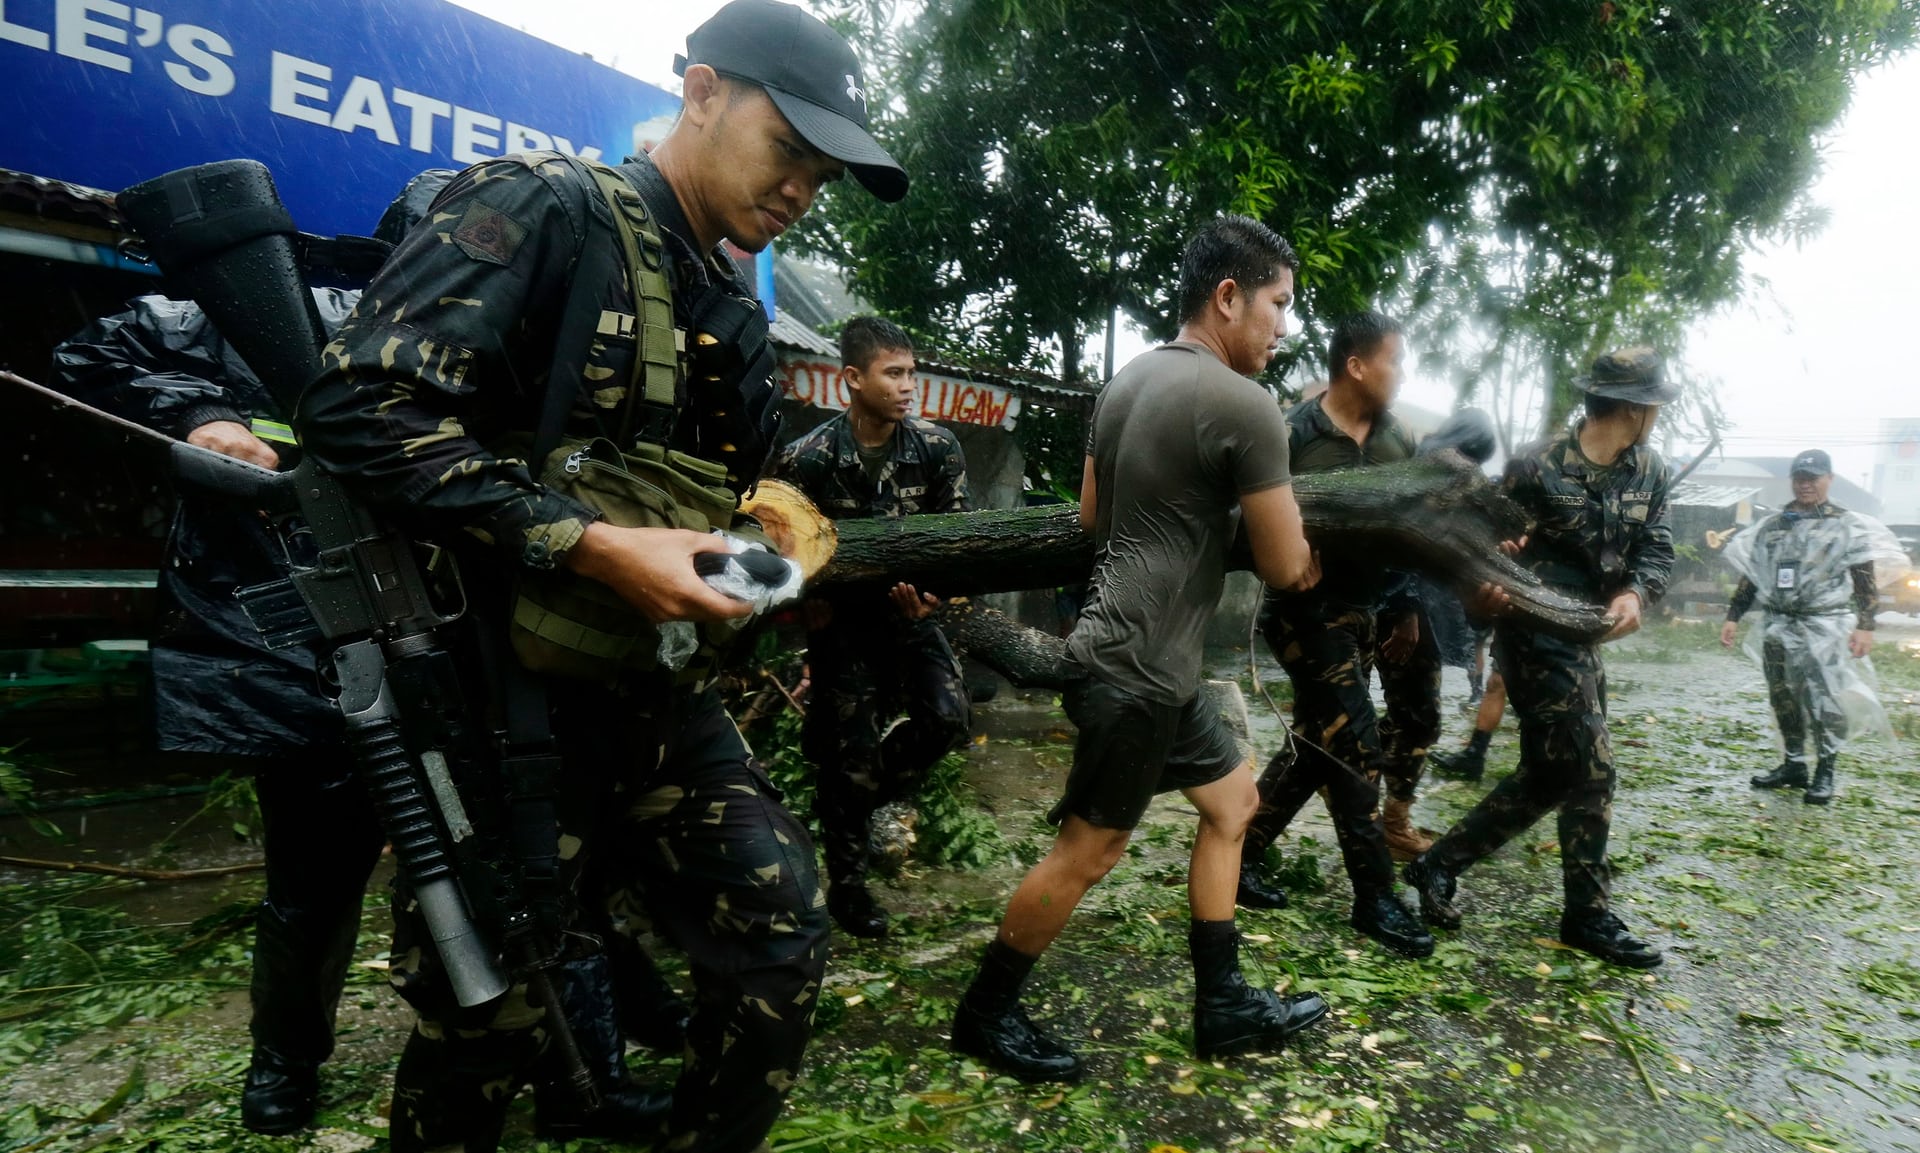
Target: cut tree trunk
point(1436, 515)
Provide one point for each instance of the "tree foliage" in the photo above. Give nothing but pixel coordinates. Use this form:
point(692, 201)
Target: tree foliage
point(1530, 181)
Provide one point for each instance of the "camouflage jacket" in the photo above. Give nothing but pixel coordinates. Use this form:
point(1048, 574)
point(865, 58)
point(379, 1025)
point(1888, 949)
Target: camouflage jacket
point(429, 395)
point(926, 473)
point(1316, 444)
point(1595, 531)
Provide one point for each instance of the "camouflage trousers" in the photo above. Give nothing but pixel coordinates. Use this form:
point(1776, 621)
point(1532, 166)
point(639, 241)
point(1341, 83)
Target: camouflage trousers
point(1411, 723)
point(862, 759)
point(1330, 652)
point(686, 838)
point(1558, 689)
point(1798, 694)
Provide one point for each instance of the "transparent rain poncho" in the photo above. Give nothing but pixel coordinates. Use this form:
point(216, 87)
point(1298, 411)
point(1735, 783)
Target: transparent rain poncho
point(1800, 565)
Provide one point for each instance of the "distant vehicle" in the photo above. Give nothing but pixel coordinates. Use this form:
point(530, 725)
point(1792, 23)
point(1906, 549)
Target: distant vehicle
point(1903, 595)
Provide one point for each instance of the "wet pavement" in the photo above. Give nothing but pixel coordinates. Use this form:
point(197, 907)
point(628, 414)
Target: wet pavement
point(1787, 1014)
point(1786, 926)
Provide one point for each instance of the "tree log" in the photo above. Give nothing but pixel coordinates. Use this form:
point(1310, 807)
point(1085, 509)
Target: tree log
point(1027, 657)
point(1436, 515)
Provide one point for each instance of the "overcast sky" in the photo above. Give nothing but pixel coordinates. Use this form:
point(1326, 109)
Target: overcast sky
point(1815, 355)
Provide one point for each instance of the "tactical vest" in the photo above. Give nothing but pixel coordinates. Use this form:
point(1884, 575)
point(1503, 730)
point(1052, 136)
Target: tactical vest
point(567, 625)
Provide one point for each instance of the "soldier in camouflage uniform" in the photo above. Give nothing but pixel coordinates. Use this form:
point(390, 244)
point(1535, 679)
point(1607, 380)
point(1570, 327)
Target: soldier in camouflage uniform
point(1596, 497)
point(1329, 638)
point(424, 406)
point(872, 655)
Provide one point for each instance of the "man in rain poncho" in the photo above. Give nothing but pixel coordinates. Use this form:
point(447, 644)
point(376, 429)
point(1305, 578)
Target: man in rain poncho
point(1811, 567)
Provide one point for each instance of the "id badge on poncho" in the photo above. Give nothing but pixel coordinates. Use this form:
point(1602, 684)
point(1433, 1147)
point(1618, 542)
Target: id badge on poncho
point(1786, 575)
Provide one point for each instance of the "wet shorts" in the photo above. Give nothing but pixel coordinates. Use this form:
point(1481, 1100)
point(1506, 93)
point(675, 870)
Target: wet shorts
point(1130, 748)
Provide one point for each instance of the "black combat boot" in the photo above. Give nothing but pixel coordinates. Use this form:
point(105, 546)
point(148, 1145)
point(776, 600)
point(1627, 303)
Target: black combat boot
point(1435, 884)
point(300, 960)
point(1469, 764)
point(1230, 1017)
point(1009, 1041)
point(855, 910)
point(1256, 892)
point(628, 1113)
point(1790, 775)
point(278, 1095)
point(1821, 791)
point(1380, 915)
point(1602, 934)
point(991, 1025)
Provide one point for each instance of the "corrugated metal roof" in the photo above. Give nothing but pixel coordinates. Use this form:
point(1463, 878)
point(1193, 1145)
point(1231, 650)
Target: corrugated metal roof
point(789, 332)
point(60, 208)
point(1697, 494)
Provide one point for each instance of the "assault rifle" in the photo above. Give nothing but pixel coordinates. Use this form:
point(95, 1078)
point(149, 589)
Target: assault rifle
point(473, 830)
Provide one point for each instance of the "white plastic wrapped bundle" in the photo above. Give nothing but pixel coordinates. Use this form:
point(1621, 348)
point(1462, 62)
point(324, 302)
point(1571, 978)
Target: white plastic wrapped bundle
point(748, 571)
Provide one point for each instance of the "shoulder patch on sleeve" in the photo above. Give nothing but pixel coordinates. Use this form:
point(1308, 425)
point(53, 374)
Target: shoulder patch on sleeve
point(486, 233)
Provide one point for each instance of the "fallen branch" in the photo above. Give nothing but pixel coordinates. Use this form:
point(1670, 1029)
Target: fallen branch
point(1605, 1020)
point(792, 701)
point(130, 872)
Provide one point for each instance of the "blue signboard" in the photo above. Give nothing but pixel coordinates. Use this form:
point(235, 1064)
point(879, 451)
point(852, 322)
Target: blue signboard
point(342, 100)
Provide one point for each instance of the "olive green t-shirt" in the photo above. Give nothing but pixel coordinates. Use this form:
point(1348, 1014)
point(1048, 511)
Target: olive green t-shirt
point(1177, 437)
point(874, 458)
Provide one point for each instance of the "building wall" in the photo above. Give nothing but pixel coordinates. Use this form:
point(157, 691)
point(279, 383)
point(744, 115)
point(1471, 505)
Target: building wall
point(1896, 470)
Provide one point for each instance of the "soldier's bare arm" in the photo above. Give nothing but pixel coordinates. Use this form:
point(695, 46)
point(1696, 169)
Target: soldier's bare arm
point(1089, 498)
point(1281, 556)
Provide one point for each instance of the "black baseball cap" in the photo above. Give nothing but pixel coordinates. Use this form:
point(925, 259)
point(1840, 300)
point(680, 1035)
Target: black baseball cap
point(1812, 462)
point(811, 74)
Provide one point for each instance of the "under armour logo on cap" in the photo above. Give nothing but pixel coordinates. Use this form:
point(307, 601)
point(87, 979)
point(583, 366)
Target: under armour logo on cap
point(854, 91)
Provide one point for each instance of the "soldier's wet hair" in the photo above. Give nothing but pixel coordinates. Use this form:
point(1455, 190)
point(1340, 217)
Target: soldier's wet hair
point(866, 337)
point(1358, 335)
point(1236, 248)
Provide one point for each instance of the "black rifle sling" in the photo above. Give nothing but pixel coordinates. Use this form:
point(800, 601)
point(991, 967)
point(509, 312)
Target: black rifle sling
point(617, 214)
point(592, 266)
point(532, 770)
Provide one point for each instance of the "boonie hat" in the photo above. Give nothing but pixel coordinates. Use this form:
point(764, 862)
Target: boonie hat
point(1812, 462)
point(812, 76)
point(1637, 375)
